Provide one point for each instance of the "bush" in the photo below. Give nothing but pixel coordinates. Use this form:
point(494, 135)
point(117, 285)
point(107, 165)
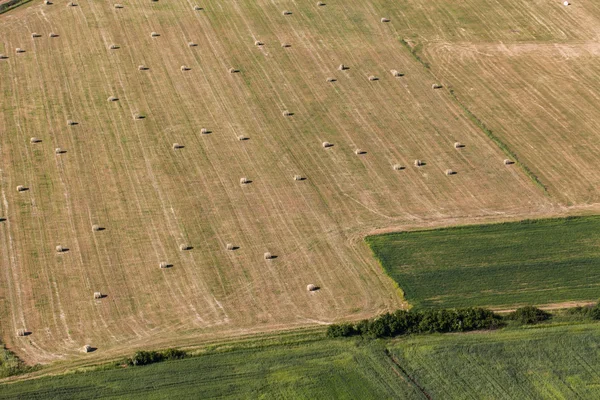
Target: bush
point(595, 312)
point(529, 315)
point(151, 357)
point(427, 321)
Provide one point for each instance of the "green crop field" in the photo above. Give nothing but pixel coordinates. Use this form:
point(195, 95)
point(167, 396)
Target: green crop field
point(540, 363)
point(547, 362)
point(498, 265)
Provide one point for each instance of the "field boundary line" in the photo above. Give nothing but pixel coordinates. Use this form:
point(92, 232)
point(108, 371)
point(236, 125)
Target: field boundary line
point(404, 374)
point(11, 5)
point(473, 118)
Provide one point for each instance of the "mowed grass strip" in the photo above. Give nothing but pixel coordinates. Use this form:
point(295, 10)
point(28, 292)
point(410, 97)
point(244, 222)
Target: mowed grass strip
point(500, 265)
point(544, 363)
point(324, 369)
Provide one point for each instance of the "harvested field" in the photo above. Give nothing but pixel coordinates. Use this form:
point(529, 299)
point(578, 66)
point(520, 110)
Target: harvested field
point(500, 265)
point(123, 172)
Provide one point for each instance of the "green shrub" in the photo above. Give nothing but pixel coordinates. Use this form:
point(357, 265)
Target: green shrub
point(529, 315)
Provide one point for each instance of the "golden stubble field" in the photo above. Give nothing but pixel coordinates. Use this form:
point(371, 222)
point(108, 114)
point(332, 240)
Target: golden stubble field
point(124, 175)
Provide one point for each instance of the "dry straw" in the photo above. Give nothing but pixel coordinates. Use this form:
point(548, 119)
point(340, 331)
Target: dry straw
point(192, 44)
point(35, 140)
point(287, 13)
point(113, 47)
point(298, 178)
point(154, 34)
point(21, 332)
point(244, 181)
point(311, 287)
point(327, 144)
point(396, 73)
point(268, 256)
point(233, 70)
point(96, 228)
point(373, 78)
point(119, 6)
point(508, 162)
point(87, 348)
point(397, 167)
point(343, 67)
point(58, 150)
point(331, 79)
point(21, 188)
point(197, 8)
point(436, 86)
point(385, 19)
point(259, 43)
point(359, 152)
point(35, 35)
point(71, 122)
point(242, 137)
point(60, 249)
point(286, 45)
point(53, 35)
point(458, 145)
point(19, 50)
point(418, 163)
point(184, 68)
point(286, 113)
point(184, 247)
point(204, 131)
point(450, 172)
point(320, 3)
point(163, 265)
point(177, 146)
point(98, 295)
point(142, 68)
point(71, 4)
point(230, 246)
point(112, 98)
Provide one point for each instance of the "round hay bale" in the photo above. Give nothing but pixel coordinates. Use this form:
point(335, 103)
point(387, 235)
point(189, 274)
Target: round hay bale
point(268, 256)
point(233, 70)
point(19, 50)
point(450, 172)
point(58, 150)
point(60, 249)
point(298, 178)
point(177, 146)
point(119, 6)
point(458, 145)
point(35, 35)
point(47, 2)
point(385, 19)
point(436, 86)
point(142, 68)
point(87, 348)
point(286, 12)
point(508, 162)
point(163, 264)
point(397, 167)
point(258, 43)
point(192, 44)
point(112, 98)
point(53, 35)
point(242, 137)
point(244, 181)
point(71, 122)
point(138, 116)
point(198, 8)
point(285, 45)
point(184, 247)
point(35, 140)
point(204, 131)
point(418, 163)
point(21, 188)
point(286, 113)
point(71, 4)
point(113, 47)
point(311, 287)
point(230, 246)
point(566, 3)
point(184, 68)
point(342, 67)
point(320, 4)
point(96, 228)
point(154, 34)
point(327, 144)
point(98, 295)
point(21, 332)
point(331, 80)
point(359, 152)
point(373, 78)
point(396, 74)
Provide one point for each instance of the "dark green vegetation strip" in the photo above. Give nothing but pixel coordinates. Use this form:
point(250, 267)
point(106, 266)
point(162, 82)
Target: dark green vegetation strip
point(12, 4)
point(500, 265)
point(543, 362)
